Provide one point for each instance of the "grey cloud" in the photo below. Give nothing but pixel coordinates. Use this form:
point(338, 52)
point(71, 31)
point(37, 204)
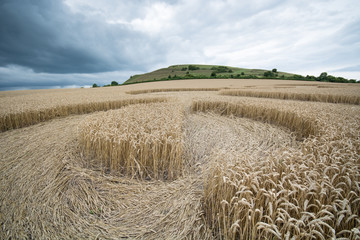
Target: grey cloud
point(47, 37)
point(355, 68)
point(77, 42)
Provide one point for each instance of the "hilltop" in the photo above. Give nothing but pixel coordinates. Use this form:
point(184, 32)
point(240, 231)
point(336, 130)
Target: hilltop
point(195, 71)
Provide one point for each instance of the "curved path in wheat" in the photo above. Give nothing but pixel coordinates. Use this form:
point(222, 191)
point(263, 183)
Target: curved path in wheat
point(45, 177)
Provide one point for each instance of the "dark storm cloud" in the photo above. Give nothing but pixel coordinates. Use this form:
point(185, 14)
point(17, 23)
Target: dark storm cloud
point(21, 78)
point(47, 37)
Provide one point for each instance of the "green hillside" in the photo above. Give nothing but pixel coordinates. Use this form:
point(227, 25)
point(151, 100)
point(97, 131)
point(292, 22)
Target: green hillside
point(193, 71)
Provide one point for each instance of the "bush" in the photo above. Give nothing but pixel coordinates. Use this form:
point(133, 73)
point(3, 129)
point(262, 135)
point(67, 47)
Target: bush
point(221, 69)
point(310, 78)
point(193, 68)
point(268, 74)
point(298, 77)
point(95, 85)
point(114, 83)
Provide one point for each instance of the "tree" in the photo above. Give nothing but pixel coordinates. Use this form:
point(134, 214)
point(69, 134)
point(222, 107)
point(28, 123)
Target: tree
point(114, 83)
point(213, 74)
point(95, 85)
point(323, 77)
point(274, 70)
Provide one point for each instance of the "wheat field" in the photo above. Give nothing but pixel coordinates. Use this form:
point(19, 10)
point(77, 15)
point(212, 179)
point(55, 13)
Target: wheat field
point(191, 159)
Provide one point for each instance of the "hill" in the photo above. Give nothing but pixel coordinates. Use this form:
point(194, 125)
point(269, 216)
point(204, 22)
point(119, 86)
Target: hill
point(193, 71)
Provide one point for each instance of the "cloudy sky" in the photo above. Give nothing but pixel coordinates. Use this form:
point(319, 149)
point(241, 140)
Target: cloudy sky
point(72, 43)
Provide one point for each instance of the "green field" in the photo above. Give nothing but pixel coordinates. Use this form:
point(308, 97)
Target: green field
point(194, 71)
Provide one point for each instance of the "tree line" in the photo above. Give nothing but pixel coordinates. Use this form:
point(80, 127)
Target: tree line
point(218, 70)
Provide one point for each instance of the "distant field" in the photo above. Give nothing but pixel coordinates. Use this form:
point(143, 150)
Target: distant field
point(182, 159)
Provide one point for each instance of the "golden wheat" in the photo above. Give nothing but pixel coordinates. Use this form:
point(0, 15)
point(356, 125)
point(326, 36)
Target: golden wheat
point(141, 140)
point(27, 118)
point(172, 90)
point(33, 100)
point(303, 127)
point(48, 191)
point(310, 192)
point(329, 98)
